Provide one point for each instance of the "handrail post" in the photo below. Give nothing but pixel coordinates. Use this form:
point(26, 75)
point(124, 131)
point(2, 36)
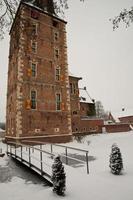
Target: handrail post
point(29, 157)
point(87, 164)
point(15, 150)
point(10, 149)
point(66, 156)
point(7, 149)
point(41, 160)
point(51, 148)
point(21, 154)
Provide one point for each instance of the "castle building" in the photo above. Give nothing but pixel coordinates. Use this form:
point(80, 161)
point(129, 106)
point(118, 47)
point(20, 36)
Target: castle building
point(43, 101)
point(38, 96)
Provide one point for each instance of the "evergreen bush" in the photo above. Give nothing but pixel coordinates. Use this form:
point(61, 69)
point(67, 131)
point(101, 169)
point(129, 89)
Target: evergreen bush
point(116, 163)
point(58, 177)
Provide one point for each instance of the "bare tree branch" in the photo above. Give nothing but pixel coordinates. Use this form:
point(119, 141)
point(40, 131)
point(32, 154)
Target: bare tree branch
point(125, 16)
point(8, 9)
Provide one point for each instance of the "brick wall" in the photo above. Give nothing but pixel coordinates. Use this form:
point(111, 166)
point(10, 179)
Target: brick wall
point(114, 128)
point(87, 109)
point(87, 125)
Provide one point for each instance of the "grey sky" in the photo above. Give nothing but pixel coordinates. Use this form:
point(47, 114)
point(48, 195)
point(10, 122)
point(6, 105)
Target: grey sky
point(101, 56)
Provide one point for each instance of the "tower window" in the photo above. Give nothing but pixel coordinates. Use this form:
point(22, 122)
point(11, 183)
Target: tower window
point(55, 23)
point(57, 73)
point(34, 14)
point(33, 99)
point(56, 36)
point(71, 88)
point(75, 112)
point(56, 53)
point(34, 29)
point(58, 102)
point(74, 88)
point(33, 69)
point(34, 46)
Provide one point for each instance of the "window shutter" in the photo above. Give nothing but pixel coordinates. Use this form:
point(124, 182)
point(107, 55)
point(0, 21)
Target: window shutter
point(29, 71)
point(62, 78)
point(62, 106)
point(28, 104)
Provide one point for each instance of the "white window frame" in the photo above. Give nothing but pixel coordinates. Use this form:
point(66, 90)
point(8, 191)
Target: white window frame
point(57, 68)
point(58, 102)
point(35, 63)
point(36, 28)
point(32, 46)
point(55, 51)
point(56, 32)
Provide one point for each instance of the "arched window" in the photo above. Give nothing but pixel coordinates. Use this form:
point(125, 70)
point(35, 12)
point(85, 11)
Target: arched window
point(57, 74)
point(58, 101)
point(33, 69)
point(33, 99)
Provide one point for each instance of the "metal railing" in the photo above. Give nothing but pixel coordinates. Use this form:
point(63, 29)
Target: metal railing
point(66, 155)
point(26, 155)
point(29, 150)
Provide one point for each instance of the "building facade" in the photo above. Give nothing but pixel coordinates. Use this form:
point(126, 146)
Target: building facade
point(83, 113)
point(38, 99)
point(43, 101)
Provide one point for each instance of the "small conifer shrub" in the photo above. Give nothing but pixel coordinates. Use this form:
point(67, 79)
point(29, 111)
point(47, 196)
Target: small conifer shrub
point(58, 177)
point(116, 163)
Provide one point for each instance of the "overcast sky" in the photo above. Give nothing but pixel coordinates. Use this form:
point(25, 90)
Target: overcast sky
point(101, 56)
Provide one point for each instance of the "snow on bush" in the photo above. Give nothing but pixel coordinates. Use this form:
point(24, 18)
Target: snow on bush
point(116, 163)
point(58, 176)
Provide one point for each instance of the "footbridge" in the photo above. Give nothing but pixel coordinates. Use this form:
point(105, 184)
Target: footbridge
point(39, 158)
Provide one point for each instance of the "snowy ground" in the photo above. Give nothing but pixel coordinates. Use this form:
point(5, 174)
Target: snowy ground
point(100, 184)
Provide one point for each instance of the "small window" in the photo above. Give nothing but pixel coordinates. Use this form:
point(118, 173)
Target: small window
point(71, 88)
point(57, 73)
point(58, 102)
point(56, 36)
point(56, 53)
point(74, 88)
point(75, 113)
point(34, 14)
point(34, 29)
point(33, 99)
point(33, 69)
point(34, 47)
point(55, 23)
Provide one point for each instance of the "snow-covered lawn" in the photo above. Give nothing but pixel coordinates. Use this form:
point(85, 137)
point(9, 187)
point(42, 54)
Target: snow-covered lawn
point(100, 184)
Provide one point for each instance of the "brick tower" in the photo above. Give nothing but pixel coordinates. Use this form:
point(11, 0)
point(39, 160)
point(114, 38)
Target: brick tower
point(38, 97)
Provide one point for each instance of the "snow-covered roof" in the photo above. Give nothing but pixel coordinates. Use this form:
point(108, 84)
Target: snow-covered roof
point(84, 96)
point(123, 113)
point(73, 75)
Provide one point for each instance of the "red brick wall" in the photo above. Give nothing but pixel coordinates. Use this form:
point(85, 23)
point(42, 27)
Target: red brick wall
point(87, 109)
point(112, 128)
point(87, 125)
